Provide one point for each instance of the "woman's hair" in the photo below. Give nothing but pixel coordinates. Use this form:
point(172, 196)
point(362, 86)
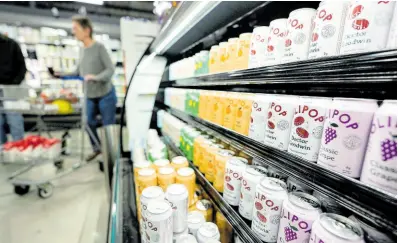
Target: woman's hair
point(84, 22)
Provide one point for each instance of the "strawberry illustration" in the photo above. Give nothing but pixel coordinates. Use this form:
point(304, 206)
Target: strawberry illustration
point(315, 37)
point(253, 52)
point(269, 114)
point(330, 133)
point(302, 132)
point(261, 217)
point(389, 148)
point(270, 48)
point(360, 24)
point(230, 187)
point(271, 125)
point(356, 11)
point(288, 43)
point(290, 234)
point(298, 120)
point(258, 206)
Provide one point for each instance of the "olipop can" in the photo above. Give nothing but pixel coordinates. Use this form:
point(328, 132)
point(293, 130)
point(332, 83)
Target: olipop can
point(345, 135)
point(392, 37)
point(299, 27)
point(232, 180)
point(276, 42)
point(258, 46)
point(367, 26)
point(270, 194)
point(208, 231)
point(195, 219)
point(337, 229)
point(328, 29)
point(280, 115)
point(160, 222)
point(380, 164)
point(258, 117)
point(177, 195)
point(250, 179)
point(307, 128)
point(295, 186)
point(298, 214)
point(275, 173)
point(148, 194)
point(328, 204)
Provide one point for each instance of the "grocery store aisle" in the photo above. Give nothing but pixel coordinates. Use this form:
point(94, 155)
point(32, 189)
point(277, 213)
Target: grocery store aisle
point(74, 213)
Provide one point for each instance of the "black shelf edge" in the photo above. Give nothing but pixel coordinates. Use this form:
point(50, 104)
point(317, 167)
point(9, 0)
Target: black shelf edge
point(240, 227)
point(369, 203)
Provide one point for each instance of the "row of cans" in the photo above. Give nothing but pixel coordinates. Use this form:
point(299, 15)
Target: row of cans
point(354, 137)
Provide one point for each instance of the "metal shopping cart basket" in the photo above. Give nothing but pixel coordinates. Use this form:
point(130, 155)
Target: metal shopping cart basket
point(32, 168)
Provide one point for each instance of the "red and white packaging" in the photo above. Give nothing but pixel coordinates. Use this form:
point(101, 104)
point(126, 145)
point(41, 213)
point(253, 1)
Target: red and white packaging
point(234, 169)
point(298, 34)
point(328, 29)
point(258, 46)
point(307, 127)
point(276, 42)
point(367, 26)
point(334, 228)
point(298, 214)
point(345, 135)
point(10, 152)
point(250, 179)
point(380, 164)
point(258, 118)
point(392, 37)
point(270, 194)
point(279, 122)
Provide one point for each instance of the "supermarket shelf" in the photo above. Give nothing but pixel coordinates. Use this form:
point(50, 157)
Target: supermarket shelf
point(369, 203)
point(240, 227)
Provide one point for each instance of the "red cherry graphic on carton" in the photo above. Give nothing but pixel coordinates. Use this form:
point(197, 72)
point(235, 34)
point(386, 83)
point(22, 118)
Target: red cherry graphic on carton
point(357, 10)
point(230, 187)
point(261, 217)
point(288, 43)
point(315, 37)
point(271, 125)
point(360, 24)
point(298, 120)
point(302, 132)
point(270, 48)
point(258, 206)
point(227, 178)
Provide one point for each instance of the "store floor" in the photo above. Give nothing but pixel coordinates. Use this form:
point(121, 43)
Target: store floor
point(75, 213)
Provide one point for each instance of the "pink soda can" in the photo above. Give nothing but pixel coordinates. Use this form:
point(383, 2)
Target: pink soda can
point(327, 29)
point(298, 34)
point(367, 26)
point(345, 134)
point(380, 164)
point(258, 46)
point(276, 42)
point(258, 117)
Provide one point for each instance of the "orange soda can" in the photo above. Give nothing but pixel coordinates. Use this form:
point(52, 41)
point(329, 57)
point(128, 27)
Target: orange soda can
point(146, 178)
point(243, 50)
point(231, 57)
point(186, 176)
point(231, 102)
point(166, 177)
point(210, 161)
point(243, 112)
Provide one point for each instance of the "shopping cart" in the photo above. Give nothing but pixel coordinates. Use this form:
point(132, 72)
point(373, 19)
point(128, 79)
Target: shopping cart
point(29, 171)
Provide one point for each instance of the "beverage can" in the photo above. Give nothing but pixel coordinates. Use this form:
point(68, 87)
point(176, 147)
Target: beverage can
point(276, 42)
point(195, 219)
point(202, 103)
point(367, 26)
point(328, 204)
point(201, 154)
point(276, 173)
point(243, 111)
point(231, 57)
point(184, 238)
point(224, 227)
point(186, 176)
point(331, 227)
point(279, 122)
point(299, 29)
point(327, 29)
point(222, 52)
point(178, 237)
point(345, 135)
point(259, 117)
point(298, 214)
point(234, 169)
point(166, 177)
point(209, 160)
point(161, 163)
point(137, 166)
point(243, 50)
point(258, 46)
point(196, 149)
point(294, 185)
point(230, 110)
point(205, 207)
point(244, 157)
point(179, 162)
point(213, 59)
point(371, 234)
point(220, 161)
point(160, 222)
point(270, 194)
point(250, 179)
point(177, 195)
point(148, 194)
point(208, 231)
point(218, 108)
point(307, 127)
point(380, 164)
point(146, 178)
point(392, 36)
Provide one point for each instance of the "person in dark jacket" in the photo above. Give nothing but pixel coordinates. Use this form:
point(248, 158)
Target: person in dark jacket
point(12, 72)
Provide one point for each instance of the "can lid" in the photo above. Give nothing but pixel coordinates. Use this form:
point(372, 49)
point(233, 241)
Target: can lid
point(203, 204)
point(142, 164)
point(152, 192)
point(146, 172)
point(341, 226)
point(208, 229)
point(179, 160)
point(185, 171)
point(158, 207)
point(241, 159)
point(161, 162)
point(176, 189)
point(294, 12)
point(222, 44)
point(261, 29)
point(304, 200)
point(236, 161)
point(256, 170)
point(185, 238)
point(233, 40)
point(195, 218)
point(355, 104)
point(224, 152)
point(166, 170)
point(245, 35)
point(273, 184)
point(214, 47)
point(277, 21)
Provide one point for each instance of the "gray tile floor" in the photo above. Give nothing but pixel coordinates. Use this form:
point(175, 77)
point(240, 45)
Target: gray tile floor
point(75, 213)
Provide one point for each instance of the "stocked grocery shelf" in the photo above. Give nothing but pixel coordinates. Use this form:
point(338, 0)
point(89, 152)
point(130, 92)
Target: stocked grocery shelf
point(370, 203)
point(240, 227)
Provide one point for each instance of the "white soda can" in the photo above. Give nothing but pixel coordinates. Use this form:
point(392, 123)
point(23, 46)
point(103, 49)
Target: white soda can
point(234, 169)
point(392, 37)
point(276, 42)
point(380, 164)
point(152, 193)
point(299, 28)
point(258, 117)
point(195, 219)
point(160, 222)
point(275, 173)
point(328, 29)
point(367, 26)
point(307, 127)
point(294, 185)
point(258, 46)
point(177, 237)
point(177, 195)
point(270, 194)
point(250, 179)
point(280, 116)
point(208, 231)
point(345, 135)
point(298, 214)
point(186, 238)
point(328, 204)
point(334, 228)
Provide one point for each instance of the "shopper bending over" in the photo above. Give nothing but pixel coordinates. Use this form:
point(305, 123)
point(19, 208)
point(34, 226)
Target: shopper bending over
point(96, 67)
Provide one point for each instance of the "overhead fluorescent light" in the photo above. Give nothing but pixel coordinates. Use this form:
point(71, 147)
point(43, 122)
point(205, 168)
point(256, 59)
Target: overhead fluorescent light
point(92, 2)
